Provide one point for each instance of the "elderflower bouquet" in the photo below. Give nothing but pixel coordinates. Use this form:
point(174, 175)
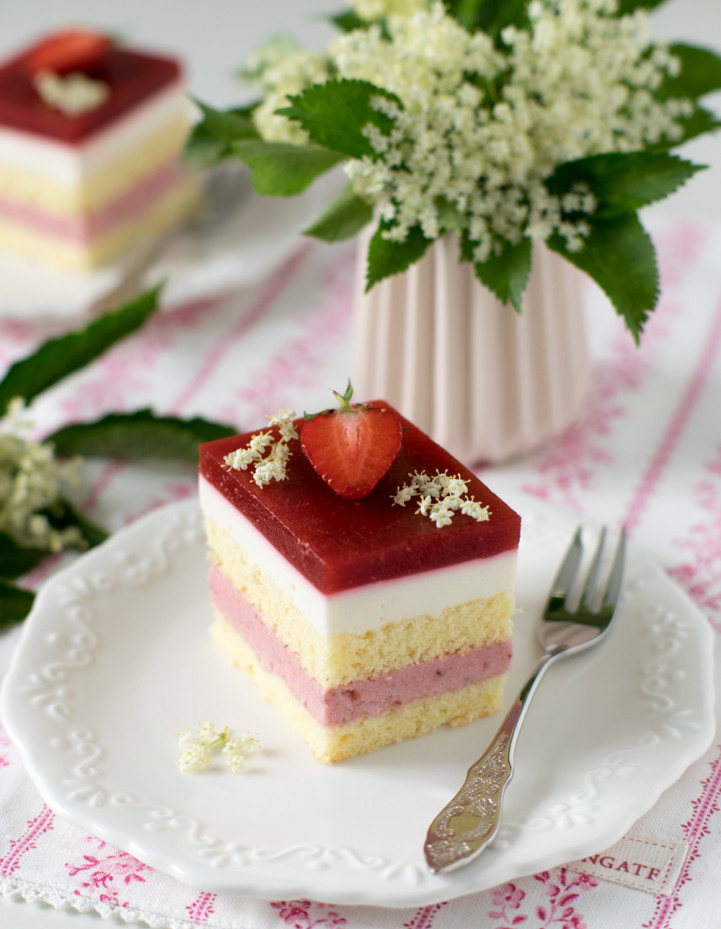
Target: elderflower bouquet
point(502, 122)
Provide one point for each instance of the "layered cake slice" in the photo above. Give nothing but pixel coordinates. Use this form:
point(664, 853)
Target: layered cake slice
point(90, 136)
point(366, 620)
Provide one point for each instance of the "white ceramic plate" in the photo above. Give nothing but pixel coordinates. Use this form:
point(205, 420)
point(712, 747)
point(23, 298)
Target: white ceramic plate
point(116, 658)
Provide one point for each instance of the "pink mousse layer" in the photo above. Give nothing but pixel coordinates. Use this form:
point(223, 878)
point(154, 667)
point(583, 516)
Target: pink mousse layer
point(129, 205)
point(370, 697)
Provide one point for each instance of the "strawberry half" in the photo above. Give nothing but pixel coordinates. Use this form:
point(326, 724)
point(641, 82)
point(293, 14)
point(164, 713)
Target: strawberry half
point(352, 447)
point(70, 50)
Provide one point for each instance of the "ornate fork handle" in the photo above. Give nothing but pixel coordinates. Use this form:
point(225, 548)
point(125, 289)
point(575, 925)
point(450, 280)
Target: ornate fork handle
point(471, 820)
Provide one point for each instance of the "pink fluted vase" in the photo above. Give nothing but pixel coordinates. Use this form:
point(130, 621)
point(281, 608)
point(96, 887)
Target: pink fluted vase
point(483, 381)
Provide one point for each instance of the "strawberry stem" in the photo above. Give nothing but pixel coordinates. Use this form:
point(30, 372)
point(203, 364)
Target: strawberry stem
point(344, 400)
point(346, 397)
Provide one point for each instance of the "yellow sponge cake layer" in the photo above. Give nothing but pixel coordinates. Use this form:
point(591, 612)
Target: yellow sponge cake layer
point(338, 659)
point(331, 744)
point(69, 194)
point(82, 254)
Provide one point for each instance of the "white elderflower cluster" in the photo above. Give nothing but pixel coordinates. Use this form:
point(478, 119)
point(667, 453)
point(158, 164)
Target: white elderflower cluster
point(440, 497)
point(196, 748)
point(31, 481)
point(279, 69)
point(267, 453)
point(73, 94)
point(480, 129)
point(375, 9)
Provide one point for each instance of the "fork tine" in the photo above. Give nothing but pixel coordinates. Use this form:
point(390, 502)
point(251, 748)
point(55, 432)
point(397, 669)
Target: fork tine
point(591, 585)
point(615, 577)
point(568, 569)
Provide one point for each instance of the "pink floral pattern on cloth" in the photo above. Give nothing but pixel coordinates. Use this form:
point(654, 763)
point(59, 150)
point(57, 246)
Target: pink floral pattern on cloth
point(645, 451)
point(562, 891)
point(304, 914)
point(700, 570)
point(106, 873)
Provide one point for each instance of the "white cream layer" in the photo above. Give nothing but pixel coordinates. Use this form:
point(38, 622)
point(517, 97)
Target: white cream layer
point(71, 165)
point(373, 605)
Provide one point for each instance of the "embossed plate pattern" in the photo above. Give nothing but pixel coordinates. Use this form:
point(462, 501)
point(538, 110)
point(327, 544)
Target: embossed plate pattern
point(115, 659)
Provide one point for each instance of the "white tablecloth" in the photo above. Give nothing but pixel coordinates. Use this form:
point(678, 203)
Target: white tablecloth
point(646, 451)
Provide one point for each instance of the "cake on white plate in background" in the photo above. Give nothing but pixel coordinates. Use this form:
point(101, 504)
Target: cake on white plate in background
point(360, 574)
point(90, 137)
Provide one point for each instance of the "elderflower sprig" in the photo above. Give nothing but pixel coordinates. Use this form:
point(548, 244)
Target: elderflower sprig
point(196, 748)
point(31, 484)
point(440, 497)
point(267, 454)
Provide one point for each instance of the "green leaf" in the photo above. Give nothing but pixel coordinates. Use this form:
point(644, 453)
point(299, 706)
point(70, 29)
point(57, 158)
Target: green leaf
point(629, 6)
point(334, 114)
point(624, 182)
point(700, 73)
point(699, 122)
point(202, 148)
point(620, 257)
point(489, 16)
point(63, 515)
point(16, 559)
point(386, 258)
point(15, 603)
point(506, 274)
point(344, 218)
point(348, 21)
point(450, 217)
point(230, 125)
point(139, 436)
point(280, 169)
point(57, 358)
point(211, 138)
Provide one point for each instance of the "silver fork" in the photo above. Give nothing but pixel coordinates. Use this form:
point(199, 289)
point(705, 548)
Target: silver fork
point(470, 822)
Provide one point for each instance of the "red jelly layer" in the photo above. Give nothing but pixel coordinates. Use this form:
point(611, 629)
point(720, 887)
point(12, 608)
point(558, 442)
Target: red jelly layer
point(338, 543)
point(131, 77)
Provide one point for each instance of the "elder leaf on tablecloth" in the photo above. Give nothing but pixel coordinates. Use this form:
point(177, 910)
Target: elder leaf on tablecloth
point(140, 435)
point(16, 560)
point(64, 515)
point(59, 357)
point(15, 603)
point(37, 518)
